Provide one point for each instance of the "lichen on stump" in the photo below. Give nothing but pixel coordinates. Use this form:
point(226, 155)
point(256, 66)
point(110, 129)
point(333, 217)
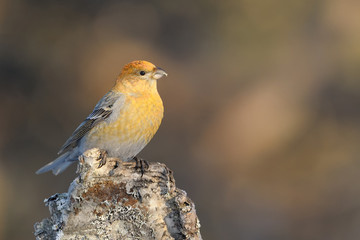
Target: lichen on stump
point(117, 201)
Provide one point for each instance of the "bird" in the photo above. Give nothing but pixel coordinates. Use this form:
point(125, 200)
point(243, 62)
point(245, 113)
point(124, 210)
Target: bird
point(122, 123)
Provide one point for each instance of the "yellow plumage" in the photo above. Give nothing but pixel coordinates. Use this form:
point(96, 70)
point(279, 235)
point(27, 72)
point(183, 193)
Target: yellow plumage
point(138, 121)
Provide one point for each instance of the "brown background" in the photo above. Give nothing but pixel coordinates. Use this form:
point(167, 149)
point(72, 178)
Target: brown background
point(262, 108)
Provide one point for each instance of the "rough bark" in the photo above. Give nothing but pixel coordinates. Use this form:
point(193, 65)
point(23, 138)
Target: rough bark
point(117, 202)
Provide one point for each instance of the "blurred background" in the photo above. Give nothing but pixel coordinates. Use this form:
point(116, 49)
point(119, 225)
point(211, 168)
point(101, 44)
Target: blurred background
point(262, 111)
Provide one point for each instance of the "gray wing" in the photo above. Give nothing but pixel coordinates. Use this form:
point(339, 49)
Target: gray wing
point(102, 111)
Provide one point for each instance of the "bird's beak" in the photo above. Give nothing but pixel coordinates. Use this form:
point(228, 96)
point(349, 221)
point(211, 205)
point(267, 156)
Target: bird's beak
point(159, 73)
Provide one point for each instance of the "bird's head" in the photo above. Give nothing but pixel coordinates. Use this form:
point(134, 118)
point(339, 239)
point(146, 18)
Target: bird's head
point(138, 76)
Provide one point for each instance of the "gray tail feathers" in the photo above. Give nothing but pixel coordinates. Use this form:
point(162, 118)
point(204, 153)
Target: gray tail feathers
point(58, 165)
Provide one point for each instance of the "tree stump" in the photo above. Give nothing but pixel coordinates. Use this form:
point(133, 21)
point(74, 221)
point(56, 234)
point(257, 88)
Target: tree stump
point(117, 201)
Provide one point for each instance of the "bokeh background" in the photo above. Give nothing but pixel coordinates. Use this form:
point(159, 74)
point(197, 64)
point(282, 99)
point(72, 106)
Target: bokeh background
point(262, 111)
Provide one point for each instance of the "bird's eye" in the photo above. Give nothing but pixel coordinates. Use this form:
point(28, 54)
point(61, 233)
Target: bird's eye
point(142, 73)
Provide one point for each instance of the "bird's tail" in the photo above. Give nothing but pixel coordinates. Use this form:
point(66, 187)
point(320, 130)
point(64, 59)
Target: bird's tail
point(59, 164)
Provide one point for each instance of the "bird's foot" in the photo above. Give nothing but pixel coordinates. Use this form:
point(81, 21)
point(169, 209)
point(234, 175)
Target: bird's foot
point(141, 165)
point(102, 158)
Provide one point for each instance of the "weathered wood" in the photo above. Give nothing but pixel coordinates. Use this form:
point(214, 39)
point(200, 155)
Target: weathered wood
point(117, 202)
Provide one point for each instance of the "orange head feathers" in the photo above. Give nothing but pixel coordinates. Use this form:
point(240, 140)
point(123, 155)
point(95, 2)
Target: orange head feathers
point(136, 66)
point(141, 69)
point(138, 76)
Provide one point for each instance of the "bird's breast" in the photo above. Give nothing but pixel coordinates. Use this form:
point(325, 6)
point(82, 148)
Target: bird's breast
point(139, 119)
point(129, 128)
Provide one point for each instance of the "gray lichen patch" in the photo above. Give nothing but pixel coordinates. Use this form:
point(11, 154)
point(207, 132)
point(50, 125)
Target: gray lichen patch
point(117, 202)
point(52, 228)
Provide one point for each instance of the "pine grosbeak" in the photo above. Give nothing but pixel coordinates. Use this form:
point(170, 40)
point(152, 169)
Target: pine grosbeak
point(122, 122)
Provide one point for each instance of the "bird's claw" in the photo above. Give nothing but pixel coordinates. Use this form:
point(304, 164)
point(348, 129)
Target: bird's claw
point(141, 165)
point(102, 158)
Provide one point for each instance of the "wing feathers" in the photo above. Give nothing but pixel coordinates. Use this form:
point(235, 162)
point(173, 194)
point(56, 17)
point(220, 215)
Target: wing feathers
point(101, 112)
